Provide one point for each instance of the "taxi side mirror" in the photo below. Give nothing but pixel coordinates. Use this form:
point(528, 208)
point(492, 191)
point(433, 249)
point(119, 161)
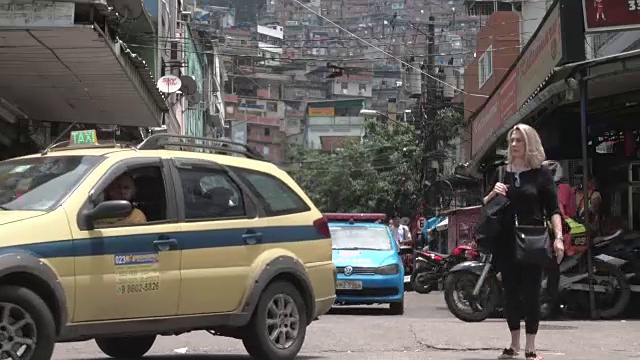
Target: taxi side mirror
point(114, 209)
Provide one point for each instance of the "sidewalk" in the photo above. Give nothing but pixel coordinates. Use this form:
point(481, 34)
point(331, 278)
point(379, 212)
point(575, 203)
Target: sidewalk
point(557, 339)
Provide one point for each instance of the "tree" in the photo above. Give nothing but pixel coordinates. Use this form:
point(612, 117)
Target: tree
point(378, 174)
point(361, 176)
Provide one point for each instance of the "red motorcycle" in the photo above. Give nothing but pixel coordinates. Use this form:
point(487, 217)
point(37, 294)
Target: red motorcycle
point(431, 268)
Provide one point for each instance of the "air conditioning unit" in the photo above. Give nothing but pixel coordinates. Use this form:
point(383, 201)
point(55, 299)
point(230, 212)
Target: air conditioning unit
point(186, 16)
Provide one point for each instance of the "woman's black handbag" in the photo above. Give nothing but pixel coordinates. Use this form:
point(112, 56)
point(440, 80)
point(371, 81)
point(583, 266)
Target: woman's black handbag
point(532, 244)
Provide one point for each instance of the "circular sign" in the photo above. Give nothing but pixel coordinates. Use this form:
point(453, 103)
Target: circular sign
point(169, 84)
point(421, 222)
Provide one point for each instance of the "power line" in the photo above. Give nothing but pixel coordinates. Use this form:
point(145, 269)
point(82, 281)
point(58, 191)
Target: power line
point(384, 52)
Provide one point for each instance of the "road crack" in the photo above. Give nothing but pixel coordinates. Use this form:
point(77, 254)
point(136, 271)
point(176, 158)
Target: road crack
point(424, 345)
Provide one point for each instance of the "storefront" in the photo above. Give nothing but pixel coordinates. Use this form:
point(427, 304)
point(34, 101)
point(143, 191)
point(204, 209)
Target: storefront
point(531, 88)
point(550, 82)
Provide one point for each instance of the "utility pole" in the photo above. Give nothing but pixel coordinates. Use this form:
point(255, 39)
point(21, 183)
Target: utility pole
point(428, 112)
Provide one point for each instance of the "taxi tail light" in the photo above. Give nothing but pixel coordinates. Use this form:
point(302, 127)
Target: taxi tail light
point(322, 227)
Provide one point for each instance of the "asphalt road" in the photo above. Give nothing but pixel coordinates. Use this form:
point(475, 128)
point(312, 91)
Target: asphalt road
point(426, 331)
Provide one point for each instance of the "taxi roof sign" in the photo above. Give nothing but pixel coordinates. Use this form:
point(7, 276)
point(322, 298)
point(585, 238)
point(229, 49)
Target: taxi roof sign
point(83, 137)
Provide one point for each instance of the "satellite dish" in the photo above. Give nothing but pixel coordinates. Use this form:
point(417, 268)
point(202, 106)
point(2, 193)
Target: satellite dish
point(194, 98)
point(189, 85)
point(169, 84)
point(129, 9)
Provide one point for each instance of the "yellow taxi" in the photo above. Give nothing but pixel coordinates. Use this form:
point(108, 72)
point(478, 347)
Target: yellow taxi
point(121, 244)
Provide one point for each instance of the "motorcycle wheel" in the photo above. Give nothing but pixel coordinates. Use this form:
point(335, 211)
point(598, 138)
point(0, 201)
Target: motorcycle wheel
point(419, 286)
point(607, 307)
point(478, 309)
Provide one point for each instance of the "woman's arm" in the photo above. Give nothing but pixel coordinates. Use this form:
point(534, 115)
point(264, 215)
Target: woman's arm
point(549, 197)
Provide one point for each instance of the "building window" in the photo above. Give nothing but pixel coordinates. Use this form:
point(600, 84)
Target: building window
point(485, 67)
point(345, 86)
point(272, 106)
point(267, 131)
point(362, 88)
point(250, 102)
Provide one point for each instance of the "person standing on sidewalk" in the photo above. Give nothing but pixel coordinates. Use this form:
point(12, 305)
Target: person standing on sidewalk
point(533, 198)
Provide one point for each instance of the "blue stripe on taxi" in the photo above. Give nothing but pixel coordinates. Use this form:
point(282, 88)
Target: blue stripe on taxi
point(144, 242)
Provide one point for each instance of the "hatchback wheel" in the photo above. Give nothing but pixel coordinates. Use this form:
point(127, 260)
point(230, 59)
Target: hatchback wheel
point(27, 329)
point(278, 326)
point(130, 347)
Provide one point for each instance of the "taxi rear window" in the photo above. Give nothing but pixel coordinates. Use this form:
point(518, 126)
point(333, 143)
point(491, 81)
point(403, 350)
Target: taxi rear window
point(41, 183)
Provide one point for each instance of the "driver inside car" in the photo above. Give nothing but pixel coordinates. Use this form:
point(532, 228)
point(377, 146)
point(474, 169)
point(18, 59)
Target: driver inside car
point(123, 188)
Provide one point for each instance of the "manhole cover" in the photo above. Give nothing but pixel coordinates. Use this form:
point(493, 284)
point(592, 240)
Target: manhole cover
point(557, 327)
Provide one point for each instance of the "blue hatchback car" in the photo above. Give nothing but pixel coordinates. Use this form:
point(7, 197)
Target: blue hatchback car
point(368, 264)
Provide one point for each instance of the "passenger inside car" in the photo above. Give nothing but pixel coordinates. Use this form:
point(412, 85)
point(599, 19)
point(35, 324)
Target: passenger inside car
point(123, 188)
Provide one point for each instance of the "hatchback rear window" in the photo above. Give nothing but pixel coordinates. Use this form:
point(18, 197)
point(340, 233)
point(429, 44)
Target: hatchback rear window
point(276, 196)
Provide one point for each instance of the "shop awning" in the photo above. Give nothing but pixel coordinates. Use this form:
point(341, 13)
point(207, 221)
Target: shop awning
point(77, 74)
point(443, 225)
point(542, 98)
point(608, 75)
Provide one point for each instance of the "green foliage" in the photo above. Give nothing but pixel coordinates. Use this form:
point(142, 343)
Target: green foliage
point(379, 174)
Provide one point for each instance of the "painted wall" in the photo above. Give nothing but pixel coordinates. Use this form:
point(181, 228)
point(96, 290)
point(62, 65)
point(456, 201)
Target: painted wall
point(195, 62)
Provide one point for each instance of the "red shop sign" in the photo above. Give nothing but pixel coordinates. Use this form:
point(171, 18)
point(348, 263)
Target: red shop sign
point(611, 15)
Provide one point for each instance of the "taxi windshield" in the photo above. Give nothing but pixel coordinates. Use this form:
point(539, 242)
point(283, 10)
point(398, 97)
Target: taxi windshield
point(360, 238)
point(41, 183)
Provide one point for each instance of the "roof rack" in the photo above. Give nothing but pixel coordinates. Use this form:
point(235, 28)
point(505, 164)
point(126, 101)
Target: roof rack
point(66, 145)
point(184, 142)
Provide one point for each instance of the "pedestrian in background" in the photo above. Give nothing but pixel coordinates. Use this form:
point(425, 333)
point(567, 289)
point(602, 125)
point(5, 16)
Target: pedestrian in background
point(532, 199)
point(400, 232)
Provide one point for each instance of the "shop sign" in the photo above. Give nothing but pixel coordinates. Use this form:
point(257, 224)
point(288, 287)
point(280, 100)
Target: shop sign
point(251, 106)
point(607, 15)
point(485, 123)
point(327, 111)
point(239, 131)
point(542, 55)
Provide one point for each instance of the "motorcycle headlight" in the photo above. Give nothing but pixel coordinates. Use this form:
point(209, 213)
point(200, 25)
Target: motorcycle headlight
point(388, 269)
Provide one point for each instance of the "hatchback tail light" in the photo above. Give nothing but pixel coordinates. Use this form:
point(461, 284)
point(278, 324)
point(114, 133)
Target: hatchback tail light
point(322, 227)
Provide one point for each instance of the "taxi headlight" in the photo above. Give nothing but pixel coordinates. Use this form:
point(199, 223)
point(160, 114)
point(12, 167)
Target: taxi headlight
point(388, 269)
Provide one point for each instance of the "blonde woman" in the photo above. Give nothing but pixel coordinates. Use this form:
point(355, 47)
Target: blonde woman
point(533, 198)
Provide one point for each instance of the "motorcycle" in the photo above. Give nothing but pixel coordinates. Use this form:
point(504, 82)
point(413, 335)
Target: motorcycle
point(479, 288)
point(431, 268)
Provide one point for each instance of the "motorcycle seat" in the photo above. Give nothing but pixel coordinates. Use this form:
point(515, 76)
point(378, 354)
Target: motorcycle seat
point(603, 240)
point(444, 256)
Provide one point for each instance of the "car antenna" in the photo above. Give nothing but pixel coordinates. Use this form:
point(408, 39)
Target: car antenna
point(54, 142)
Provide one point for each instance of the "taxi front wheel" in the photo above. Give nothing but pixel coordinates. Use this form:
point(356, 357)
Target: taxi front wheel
point(130, 347)
point(27, 329)
point(278, 325)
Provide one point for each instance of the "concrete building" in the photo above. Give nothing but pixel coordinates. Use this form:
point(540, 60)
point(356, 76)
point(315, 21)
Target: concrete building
point(328, 124)
point(254, 108)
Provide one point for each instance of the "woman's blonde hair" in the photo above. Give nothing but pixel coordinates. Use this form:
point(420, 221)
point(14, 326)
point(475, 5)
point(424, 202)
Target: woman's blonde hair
point(532, 144)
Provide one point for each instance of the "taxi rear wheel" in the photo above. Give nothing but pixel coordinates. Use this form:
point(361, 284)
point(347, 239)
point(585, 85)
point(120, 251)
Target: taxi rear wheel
point(278, 325)
point(130, 347)
point(27, 327)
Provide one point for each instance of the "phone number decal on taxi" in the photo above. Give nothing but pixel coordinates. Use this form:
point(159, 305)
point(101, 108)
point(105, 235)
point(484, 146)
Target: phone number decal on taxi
point(137, 273)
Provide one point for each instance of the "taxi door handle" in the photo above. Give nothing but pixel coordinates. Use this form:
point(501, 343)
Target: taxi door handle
point(165, 244)
point(252, 238)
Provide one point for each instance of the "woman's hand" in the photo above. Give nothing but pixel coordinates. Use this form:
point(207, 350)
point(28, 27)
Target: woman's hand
point(500, 188)
point(558, 247)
